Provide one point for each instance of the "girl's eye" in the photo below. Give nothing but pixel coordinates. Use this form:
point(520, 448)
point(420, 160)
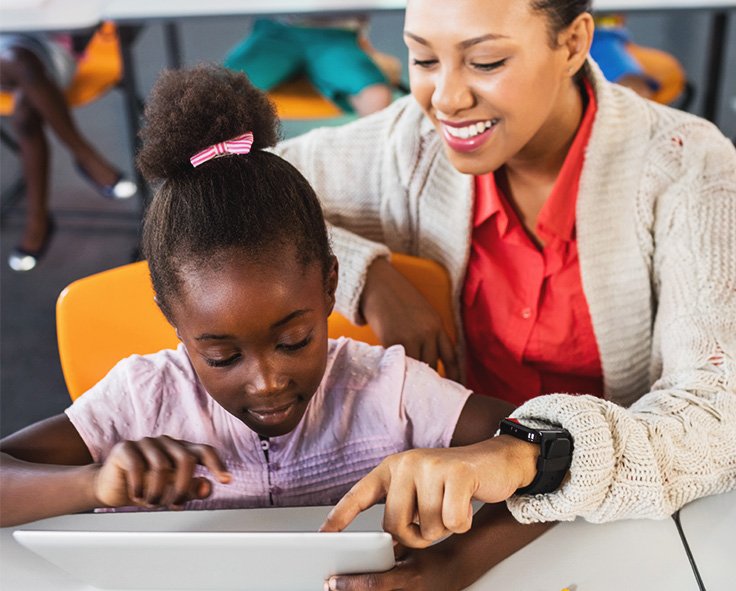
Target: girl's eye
point(291, 347)
point(222, 362)
point(490, 66)
point(423, 63)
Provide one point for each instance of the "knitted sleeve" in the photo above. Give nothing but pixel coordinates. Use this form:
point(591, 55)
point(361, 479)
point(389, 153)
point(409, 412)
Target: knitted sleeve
point(677, 442)
point(347, 166)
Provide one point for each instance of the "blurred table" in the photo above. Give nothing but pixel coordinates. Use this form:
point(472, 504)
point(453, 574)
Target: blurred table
point(48, 15)
point(709, 528)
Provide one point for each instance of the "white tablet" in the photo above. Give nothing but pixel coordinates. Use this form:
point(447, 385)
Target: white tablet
point(210, 561)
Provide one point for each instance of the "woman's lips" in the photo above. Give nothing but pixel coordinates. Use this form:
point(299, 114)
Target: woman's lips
point(452, 134)
point(274, 416)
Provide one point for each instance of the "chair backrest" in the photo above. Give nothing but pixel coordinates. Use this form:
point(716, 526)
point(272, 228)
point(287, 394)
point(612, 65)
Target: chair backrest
point(299, 99)
point(108, 316)
point(99, 70)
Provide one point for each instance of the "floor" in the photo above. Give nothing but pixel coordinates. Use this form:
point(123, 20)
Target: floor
point(95, 234)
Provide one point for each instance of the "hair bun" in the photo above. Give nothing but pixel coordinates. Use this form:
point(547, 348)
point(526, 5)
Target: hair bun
point(191, 109)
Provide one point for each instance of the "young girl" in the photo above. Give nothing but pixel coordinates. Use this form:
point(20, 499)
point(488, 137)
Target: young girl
point(256, 407)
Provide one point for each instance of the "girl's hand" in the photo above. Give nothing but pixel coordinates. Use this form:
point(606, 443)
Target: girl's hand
point(157, 472)
point(415, 570)
point(400, 315)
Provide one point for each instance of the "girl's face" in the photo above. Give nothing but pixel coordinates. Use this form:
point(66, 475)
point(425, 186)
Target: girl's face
point(256, 334)
point(486, 76)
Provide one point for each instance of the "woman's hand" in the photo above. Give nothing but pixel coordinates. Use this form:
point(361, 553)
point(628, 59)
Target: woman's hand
point(157, 471)
point(400, 315)
point(428, 492)
point(454, 563)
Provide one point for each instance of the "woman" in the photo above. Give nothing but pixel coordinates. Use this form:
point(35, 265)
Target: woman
point(590, 236)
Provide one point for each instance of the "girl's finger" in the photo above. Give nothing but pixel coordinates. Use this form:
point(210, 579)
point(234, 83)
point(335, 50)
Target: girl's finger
point(159, 471)
point(392, 580)
point(209, 458)
point(185, 463)
point(133, 465)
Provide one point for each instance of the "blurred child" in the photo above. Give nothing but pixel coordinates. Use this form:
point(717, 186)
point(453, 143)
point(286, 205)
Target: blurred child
point(334, 54)
point(37, 69)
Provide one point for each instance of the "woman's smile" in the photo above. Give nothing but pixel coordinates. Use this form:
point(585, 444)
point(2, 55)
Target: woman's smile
point(469, 135)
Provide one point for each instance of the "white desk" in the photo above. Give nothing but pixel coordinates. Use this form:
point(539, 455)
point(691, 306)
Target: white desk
point(631, 555)
point(48, 15)
point(709, 525)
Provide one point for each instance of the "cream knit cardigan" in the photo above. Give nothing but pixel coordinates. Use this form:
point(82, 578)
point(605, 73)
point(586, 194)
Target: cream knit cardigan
point(656, 231)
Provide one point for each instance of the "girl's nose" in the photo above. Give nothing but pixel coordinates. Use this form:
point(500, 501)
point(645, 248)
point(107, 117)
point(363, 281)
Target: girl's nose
point(451, 92)
point(265, 379)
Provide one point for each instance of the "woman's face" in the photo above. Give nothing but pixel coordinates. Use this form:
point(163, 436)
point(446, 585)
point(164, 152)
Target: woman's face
point(486, 76)
point(256, 334)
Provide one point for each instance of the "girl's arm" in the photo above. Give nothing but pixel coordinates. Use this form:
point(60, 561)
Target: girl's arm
point(46, 470)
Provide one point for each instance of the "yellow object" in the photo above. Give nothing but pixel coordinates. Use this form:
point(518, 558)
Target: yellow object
point(299, 99)
point(664, 68)
point(108, 316)
point(100, 69)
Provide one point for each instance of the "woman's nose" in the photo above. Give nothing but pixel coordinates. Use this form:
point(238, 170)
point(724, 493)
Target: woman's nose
point(451, 92)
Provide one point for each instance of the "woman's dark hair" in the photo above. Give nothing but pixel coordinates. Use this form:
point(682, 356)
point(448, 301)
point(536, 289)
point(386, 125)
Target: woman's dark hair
point(236, 204)
point(561, 13)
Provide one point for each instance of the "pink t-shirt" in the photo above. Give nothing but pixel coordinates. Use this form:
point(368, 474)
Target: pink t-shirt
point(372, 402)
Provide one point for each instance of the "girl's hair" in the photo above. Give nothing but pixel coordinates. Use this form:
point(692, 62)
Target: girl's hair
point(242, 205)
point(561, 13)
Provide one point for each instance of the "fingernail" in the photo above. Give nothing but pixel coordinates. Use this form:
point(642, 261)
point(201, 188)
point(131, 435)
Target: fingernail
point(333, 583)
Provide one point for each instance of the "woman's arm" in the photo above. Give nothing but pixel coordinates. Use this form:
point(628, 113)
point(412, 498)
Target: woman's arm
point(677, 442)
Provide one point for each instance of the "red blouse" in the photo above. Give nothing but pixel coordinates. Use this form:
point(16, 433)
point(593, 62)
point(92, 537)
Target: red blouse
point(525, 316)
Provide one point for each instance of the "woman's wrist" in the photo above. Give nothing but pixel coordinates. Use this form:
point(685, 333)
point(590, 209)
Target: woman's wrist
point(375, 274)
point(518, 460)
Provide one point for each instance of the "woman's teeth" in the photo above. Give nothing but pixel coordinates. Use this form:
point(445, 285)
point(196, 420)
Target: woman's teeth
point(470, 130)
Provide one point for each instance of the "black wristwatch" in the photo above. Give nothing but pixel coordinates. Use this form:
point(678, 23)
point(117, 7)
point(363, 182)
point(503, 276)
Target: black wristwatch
point(555, 454)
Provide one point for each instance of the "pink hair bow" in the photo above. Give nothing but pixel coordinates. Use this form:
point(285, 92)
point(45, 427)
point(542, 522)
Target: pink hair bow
point(237, 145)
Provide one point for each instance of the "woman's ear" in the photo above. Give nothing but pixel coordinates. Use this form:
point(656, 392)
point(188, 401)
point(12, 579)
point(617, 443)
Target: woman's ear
point(332, 279)
point(577, 39)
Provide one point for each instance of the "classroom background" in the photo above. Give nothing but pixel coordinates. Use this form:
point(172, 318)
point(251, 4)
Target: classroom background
point(94, 234)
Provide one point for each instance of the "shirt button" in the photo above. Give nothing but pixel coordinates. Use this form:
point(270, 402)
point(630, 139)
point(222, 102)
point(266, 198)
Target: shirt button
point(526, 313)
point(265, 445)
point(275, 466)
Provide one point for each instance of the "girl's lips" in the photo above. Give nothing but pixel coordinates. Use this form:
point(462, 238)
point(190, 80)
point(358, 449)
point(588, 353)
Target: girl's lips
point(466, 144)
point(274, 416)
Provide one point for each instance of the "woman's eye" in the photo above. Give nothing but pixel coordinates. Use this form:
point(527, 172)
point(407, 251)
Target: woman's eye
point(423, 63)
point(290, 347)
point(222, 362)
point(489, 66)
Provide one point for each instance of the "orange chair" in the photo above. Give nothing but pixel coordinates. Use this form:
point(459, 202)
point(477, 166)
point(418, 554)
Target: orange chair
point(108, 316)
point(299, 99)
point(99, 70)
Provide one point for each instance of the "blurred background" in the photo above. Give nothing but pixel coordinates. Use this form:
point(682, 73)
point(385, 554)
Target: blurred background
point(94, 233)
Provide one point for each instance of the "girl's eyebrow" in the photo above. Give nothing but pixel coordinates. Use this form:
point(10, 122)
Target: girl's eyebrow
point(285, 320)
point(463, 44)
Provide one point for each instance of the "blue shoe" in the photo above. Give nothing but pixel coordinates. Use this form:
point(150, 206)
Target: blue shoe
point(23, 260)
point(121, 188)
